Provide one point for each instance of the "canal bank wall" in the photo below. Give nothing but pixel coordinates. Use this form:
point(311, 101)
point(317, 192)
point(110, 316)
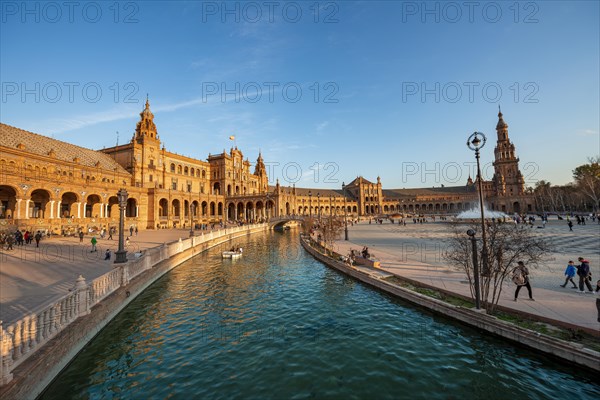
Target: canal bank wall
point(572, 352)
point(36, 348)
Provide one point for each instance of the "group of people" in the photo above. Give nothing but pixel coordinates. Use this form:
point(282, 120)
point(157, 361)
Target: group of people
point(520, 276)
point(583, 272)
point(20, 239)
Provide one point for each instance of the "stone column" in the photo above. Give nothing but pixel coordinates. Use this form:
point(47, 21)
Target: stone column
point(27, 208)
point(101, 210)
point(58, 209)
point(137, 211)
point(5, 356)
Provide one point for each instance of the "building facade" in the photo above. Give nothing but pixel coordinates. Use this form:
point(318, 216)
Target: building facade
point(47, 184)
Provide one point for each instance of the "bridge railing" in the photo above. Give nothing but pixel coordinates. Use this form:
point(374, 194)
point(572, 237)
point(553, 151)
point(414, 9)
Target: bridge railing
point(24, 337)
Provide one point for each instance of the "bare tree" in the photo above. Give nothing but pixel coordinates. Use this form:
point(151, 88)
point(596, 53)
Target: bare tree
point(587, 180)
point(506, 245)
point(331, 229)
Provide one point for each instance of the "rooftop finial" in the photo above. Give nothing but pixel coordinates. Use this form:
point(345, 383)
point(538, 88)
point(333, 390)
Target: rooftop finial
point(147, 102)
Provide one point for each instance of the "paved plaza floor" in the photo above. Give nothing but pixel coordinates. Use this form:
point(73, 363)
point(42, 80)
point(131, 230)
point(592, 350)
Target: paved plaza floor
point(415, 251)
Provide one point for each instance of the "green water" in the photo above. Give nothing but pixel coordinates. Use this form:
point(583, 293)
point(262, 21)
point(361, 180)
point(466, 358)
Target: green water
point(277, 324)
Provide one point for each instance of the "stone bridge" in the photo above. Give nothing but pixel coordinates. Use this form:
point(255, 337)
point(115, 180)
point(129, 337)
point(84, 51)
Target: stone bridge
point(280, 221)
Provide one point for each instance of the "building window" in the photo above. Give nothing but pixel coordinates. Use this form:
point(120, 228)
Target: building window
point(150, 178)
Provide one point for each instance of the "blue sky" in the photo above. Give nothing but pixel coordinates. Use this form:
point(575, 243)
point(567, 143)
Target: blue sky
point(326, 90)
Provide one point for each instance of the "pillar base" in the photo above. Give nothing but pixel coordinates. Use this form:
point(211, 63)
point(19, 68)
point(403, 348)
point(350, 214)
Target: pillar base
point(121, 256)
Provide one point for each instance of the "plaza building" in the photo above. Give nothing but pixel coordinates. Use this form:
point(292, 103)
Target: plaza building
point(50, 185)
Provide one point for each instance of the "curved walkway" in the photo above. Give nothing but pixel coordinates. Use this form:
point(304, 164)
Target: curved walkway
point(415, 251)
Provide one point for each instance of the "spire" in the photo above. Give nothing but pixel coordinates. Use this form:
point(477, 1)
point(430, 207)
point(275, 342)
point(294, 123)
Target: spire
point(501, 124)
point(145, 128)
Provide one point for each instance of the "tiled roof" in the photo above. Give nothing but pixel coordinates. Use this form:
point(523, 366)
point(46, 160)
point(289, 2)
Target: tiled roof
point(11, 137)
point(425, 191)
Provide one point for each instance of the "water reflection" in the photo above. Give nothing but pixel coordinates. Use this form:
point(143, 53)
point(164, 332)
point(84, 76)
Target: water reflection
point(277, 324)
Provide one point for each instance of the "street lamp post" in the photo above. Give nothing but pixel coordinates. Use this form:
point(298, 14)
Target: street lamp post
point(319, 206)
point(191, 220)
point(345, 213)
point(121, 254)
point(475, 144)
point(471, 234)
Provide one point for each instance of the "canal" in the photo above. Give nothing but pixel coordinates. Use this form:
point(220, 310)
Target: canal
point(278, 324)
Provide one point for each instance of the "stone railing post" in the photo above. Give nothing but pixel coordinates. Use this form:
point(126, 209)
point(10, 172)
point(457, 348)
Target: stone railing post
point(124, 274)
point(5, 356)
point(163, 252)
point(179, 246)
point(82, 294)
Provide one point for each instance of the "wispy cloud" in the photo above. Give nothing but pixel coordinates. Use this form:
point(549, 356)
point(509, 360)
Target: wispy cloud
point(587, 132)
point(321, 126)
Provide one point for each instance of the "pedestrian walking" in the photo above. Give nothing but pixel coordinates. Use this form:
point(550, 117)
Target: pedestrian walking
point(93, 241)
point(570, 273)
point(107, 254)
point(570, 223)
point(110, 233)
point(585, 277)
point(131, 231)
point(80, 236)
point(136, 231)
point(37, 237)
point(520, 276)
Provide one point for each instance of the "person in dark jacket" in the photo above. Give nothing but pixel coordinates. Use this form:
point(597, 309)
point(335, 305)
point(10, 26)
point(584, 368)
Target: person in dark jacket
point(583, 271)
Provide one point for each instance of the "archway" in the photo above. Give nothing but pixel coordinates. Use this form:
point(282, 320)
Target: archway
point(217, 188)
point(69, 202)
point(113, 207)
point(212, 208)
point(92, 206)
point(39, 206)
point(131, 209)
point(517, 207)
point(163, 208)
point(8, 202)
point(204, 208)
point(249, 211)
point(176, 207)
point(240, 211)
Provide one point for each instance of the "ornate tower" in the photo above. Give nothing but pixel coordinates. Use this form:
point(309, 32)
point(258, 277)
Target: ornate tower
point(146, 158)
point(145, 130)
point(261, 171)
point(508, 180)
